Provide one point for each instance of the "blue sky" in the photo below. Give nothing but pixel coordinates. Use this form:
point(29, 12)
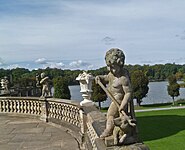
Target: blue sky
point(75, 34)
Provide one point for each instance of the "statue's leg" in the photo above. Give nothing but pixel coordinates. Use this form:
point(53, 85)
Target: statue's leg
point(43, 91)
point(111, 113)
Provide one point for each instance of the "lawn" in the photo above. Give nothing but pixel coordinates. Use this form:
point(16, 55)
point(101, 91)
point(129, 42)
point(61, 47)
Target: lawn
point(162, 130)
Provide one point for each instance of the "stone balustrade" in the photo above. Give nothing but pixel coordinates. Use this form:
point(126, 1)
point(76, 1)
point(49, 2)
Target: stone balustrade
point(47, 109)
point(85, 123)
point(60, 112)
point(65, 110)
point(20, 105)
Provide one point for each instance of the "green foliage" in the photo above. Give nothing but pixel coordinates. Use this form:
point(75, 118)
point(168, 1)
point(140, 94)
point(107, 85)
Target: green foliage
point(156, 72)
point(61, 89)
point(26, 82)
point(100, 71)
point(98, 94)
point(173, 87)
point(4, 72)
point(140, 85)
point(18, 73)
point(179, 75)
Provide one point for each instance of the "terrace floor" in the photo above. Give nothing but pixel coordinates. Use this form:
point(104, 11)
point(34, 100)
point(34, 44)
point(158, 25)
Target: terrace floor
point(23, 133)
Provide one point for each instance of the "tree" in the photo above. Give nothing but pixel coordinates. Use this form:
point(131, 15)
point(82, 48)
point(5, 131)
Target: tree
point(173, 87)
point(17, 73)
point(98, 94)
point(139, 85)
point(61, 89)
point(179, 75)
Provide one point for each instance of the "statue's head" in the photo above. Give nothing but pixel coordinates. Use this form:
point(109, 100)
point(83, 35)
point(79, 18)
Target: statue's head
point(43, 75)
point(115, 56)
point(115, 59)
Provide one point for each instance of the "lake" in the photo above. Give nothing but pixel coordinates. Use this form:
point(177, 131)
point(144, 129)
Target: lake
point(157, 94)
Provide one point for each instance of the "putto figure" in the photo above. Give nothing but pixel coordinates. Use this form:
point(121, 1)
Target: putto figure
point(5, 84)
point(119, 90)
point(45, 82)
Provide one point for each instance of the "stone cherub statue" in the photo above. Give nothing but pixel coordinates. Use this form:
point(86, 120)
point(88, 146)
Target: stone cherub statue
point(5, 84)
point(120, 114)
point(45, 82)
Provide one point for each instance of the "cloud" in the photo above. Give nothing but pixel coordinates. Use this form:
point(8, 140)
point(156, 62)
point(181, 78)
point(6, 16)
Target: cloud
point(58, 65)
point(51, 64)
point(181, 36)
point(41, 61)
point(73, 30)
point(79, 64)
point(108, 40)
point(13, 66)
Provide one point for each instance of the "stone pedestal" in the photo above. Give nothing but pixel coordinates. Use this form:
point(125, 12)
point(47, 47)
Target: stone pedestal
point(109, 142)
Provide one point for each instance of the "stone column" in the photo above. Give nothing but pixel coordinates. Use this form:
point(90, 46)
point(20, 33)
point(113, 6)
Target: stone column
point(85, 80)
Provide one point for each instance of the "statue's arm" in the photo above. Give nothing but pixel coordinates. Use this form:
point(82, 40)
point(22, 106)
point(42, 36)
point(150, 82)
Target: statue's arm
point(128, 93)
point(102, 78)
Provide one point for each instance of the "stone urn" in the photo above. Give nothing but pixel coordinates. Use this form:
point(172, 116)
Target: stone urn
point(85, 80)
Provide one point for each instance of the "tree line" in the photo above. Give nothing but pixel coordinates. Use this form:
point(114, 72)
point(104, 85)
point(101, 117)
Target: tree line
point(158, 72)
point(140, 77)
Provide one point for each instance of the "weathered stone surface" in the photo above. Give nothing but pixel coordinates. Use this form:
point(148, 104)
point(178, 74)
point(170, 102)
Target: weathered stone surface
point(109, 141)
point(18, 132)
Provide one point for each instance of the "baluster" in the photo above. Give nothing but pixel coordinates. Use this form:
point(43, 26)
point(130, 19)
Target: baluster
point(55, 110)
point(37, 108)
point(3, 106)
point(31, 107)
point(10, 106)
point(18, 106)
point(6, 106)
point(34, 107)
point(71, 114)
point(57, 115)
point(24, 106)
point(28, 107)
point(23, 103)
point(14, 106)
point(68, 114)
point(65, 113)
point(51, 110)
point(62, 112)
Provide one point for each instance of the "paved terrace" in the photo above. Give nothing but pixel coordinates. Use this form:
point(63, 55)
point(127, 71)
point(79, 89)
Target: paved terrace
point(24, 133)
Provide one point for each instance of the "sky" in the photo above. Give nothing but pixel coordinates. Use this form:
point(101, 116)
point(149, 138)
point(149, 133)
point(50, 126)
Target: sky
point(75, 34)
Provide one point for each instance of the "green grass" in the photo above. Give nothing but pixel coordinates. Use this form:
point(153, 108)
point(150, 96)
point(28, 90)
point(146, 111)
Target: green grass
point(180, 102)
point(162, 130)
point(150, 106)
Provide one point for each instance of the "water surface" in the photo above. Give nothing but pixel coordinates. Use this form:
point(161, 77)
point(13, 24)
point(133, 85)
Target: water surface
point(157, 94)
